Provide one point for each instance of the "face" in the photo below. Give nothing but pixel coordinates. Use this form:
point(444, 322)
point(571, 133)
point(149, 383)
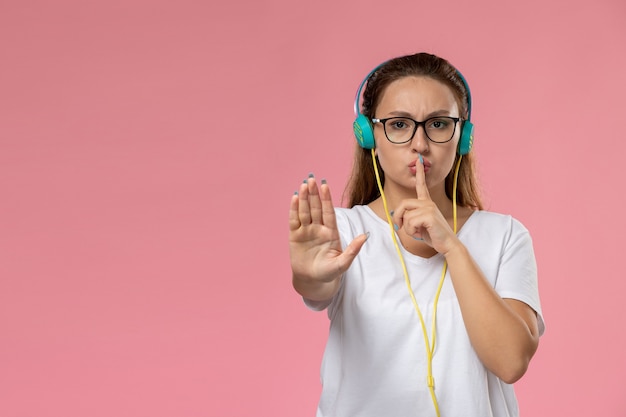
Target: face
point(418, 98)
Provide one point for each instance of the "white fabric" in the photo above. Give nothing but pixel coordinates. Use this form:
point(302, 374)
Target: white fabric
point(375, 359)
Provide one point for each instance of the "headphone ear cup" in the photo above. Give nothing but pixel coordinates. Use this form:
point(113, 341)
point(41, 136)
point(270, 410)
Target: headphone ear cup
point(363, 132)
point(467, 138)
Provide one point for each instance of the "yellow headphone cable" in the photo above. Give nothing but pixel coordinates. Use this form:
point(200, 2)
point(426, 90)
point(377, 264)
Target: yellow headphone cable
point(430, 345)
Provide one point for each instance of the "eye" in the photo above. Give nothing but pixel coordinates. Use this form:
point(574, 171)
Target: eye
point(438, 123)
point(400, 124)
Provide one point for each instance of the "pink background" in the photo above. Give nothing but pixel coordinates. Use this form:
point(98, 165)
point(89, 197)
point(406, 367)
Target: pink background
point(149, 149)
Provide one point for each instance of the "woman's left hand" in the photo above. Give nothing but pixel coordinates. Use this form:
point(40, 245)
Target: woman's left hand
point(422, 219)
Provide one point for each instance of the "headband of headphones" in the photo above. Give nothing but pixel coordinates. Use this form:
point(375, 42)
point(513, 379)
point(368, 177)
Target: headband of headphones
point(364, 131)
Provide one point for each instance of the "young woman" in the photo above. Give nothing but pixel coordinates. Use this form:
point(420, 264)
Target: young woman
point(433, 301)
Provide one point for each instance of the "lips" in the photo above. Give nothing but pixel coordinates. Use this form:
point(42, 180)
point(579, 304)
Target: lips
point(413, 165)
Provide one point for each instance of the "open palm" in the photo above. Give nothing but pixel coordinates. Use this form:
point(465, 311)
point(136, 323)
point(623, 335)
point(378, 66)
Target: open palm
point(314, 242)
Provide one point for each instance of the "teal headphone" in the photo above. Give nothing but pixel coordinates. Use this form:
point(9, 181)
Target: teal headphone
point(364, 132)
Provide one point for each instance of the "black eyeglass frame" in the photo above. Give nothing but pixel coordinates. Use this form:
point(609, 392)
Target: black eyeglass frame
point(417, 124)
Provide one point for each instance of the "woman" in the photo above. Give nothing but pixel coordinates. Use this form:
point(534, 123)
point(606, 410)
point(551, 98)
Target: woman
point(433, 302)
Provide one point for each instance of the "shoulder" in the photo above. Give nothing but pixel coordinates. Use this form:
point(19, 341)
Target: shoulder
point(489, 229)
point(354, 215)
point(491, 221)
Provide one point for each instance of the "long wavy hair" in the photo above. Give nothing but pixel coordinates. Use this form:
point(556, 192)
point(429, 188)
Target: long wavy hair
point(362, 187)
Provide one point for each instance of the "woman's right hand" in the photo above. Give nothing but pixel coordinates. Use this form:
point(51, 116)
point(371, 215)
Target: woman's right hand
point(317, 259)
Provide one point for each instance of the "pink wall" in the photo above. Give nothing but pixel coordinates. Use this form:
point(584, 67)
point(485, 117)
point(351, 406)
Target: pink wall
point(149, 149)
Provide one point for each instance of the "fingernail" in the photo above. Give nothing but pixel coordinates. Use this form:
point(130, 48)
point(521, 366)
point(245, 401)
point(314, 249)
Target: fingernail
point(391, 213)
point(304, 182)
point(295, 193)
point(417, 238)
point(421, 159)
point(367, 235)
point(323, 181)
point(311, 175)
point(395, 227)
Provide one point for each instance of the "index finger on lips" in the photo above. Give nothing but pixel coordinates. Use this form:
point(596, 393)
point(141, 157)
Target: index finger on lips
point(420, 180)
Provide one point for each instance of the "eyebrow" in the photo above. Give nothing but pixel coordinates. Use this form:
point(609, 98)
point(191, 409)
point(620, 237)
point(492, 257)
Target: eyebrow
point(401, 113)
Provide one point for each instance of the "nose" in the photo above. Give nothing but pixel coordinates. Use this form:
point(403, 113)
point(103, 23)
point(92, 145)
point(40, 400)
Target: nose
point(419, 143)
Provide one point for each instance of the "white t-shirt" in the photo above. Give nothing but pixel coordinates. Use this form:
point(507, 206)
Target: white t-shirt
point(375, 362)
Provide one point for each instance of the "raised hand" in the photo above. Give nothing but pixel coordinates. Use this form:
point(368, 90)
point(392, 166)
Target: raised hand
point(317, 259)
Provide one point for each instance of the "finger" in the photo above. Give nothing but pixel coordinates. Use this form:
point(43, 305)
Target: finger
point(415, 224)
point(304, 212)
point(294, 219)
point(411, 222)
point(315, 204)
point(399, 214)
point(420, 180)
point(328, 209)
point(350, 252)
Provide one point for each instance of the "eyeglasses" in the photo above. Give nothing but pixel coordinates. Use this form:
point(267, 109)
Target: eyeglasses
point(438, 129)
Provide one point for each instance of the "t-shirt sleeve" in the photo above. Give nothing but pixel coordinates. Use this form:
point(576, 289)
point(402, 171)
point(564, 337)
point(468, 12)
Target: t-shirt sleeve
point(517, 275)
